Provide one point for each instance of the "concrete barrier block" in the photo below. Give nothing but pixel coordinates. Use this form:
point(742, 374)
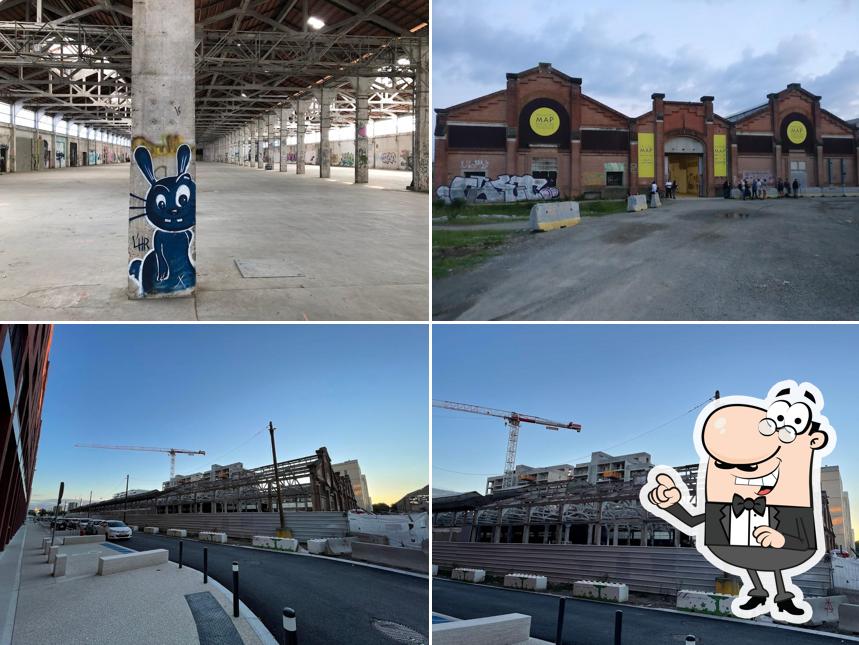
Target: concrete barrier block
point(468, 575)
point(435, 569)
point(45, 543)
point(133, 527)
point(83, 539)
point(110, 564)
point(553, 215)
point(338, 546)
point(636, 203)
point(507, 629)
point(177, 533)
point(286, 544)
point(848, 618)
point(391, 556)
point(213, 536)
point(824, 609)
point(60, 565)
point(612, 591)
point(525, 581)
point(317, 546)
point(150, 529)
point(263, 540)
point(736, 193)
point(52, 553)
point(655, 202)
point(705, 602)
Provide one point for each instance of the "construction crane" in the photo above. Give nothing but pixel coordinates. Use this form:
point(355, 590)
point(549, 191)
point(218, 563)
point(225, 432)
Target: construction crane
point(171, 451)
point(512, 420)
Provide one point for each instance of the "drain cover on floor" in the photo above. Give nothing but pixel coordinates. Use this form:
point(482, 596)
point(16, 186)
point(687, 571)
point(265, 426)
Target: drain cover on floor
point(268, 268)
point(399, 633)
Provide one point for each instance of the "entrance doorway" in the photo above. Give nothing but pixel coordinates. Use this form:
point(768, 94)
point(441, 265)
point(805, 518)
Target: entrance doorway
point(685, 169)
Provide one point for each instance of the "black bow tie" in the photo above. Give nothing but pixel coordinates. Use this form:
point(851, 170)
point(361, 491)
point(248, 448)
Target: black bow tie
point(740, 504)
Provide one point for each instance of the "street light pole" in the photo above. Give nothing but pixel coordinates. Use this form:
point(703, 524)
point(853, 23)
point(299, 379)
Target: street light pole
point(282, 529)
point(90, 504)
point(125, 508)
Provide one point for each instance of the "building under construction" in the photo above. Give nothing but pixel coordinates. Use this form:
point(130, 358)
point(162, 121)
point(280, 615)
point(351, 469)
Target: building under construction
point(306, 484)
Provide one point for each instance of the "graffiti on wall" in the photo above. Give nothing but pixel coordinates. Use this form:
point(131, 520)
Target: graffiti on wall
point(388, 159)
point(506, 188)
point(479, 165)
point(169, 206)
point(347, 159)
point(406, 159)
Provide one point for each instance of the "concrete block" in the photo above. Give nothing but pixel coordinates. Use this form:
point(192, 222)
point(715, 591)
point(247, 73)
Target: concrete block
point(52, 553)
point(339, 546)
point(110, 564)
point(468, 575)
point(45, 543)
point(213, 536)
point(507, 629)
point(848, 618)
point(736, 193)
point(317, 546)
point(177, 533)
point(435, 569)
point(655, 202)
point(824, 609)
point(150, 529)
point(525, 581)
point(553, 215)
point(391, 556)
point(705, 602)
point(83, 539)
point(286, 544)
point(612, 591)
point(60, 565)
point(263, 540)
point(636, 203)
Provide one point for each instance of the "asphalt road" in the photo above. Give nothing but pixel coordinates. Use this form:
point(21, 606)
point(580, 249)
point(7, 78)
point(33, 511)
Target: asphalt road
point(693, 259)
point(592, 623)
point(333, 602)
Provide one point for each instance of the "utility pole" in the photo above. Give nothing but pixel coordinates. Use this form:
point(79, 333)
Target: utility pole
point(282, 531)
point(88, 505)
point(56, 511)
point(125, 509)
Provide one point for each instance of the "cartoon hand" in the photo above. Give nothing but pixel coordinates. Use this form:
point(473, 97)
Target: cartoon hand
point(768, 536)
point(665, 493)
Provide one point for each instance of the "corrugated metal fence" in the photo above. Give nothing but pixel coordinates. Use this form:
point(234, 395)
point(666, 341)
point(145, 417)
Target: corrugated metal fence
point(304, 526)
point(661, 570)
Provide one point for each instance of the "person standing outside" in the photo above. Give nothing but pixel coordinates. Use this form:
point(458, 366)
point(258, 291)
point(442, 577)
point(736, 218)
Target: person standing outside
point(654, 192)
point(795, 188)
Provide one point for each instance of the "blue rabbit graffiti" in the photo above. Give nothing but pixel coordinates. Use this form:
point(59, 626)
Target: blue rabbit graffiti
point(170, 208)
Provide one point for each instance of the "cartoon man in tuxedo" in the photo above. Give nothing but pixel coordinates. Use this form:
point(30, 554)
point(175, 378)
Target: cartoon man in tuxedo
point(758, 500)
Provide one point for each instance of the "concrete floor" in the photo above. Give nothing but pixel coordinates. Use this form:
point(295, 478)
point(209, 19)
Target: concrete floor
point(692, 259)
point(362, 249)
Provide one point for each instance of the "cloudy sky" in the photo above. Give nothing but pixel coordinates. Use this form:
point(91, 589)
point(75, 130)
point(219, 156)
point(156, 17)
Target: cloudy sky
point(624, 50)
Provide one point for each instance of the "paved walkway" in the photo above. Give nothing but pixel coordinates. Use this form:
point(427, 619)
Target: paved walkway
point(144, 605)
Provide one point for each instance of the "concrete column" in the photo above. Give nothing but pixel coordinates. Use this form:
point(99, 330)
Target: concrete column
point(566, 534)
point(52, 160)
point(284, 120)
point(615, 529)
point(590, 534)
point(36, 146)
point(362, 121)
point(420, 148)
point(269, 120)
point(260, 142)
point(301, 127)
point(325, 96)
point(13, 146)
point(161, 236)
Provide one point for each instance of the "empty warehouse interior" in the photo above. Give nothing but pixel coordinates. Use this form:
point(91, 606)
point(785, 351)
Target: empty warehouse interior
point(271, 155)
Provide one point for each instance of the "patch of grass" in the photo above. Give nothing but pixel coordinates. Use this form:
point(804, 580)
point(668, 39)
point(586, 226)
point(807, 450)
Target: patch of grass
point(603, 207)
point(459, 250)
point(472, 220)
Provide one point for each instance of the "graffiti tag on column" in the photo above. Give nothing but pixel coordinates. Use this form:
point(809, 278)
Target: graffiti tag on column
point(140, 242)
point(169, 206)
point(506, 188)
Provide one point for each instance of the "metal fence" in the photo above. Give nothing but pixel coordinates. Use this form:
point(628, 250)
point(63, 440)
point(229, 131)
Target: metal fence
point(304, 526)
point(662, 570)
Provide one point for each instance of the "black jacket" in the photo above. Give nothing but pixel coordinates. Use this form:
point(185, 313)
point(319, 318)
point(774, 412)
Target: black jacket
point(794, 522)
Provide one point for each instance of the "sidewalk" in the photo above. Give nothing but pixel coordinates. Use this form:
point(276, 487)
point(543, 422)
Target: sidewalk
point(150, 604)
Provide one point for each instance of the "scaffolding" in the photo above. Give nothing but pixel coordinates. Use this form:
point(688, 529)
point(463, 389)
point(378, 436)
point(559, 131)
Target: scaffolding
point(307, 484)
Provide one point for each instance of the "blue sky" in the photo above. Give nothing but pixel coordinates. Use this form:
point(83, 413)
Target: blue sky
point(625, 50)
point(359, 390)
point(622, 381)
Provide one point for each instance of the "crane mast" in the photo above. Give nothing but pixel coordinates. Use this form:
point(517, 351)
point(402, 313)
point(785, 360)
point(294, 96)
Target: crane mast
point(512, 420)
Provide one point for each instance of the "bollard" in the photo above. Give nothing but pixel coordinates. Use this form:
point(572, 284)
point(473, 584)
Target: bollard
point(691, 640)
point(180, 554)
point(235, 589)
point(559, 633)
point(290, 635)
point(205, 565)
point(618, 625)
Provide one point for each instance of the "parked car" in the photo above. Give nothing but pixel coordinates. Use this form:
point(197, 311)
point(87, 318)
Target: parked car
point(93, 527)
point(115, 530)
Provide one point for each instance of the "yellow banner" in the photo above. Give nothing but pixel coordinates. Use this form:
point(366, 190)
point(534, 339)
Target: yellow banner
point(645, 155)
point(720, 155)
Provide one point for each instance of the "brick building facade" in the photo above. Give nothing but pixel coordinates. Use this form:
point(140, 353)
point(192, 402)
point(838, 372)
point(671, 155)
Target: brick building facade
point(24, 353)
point(542, 138)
